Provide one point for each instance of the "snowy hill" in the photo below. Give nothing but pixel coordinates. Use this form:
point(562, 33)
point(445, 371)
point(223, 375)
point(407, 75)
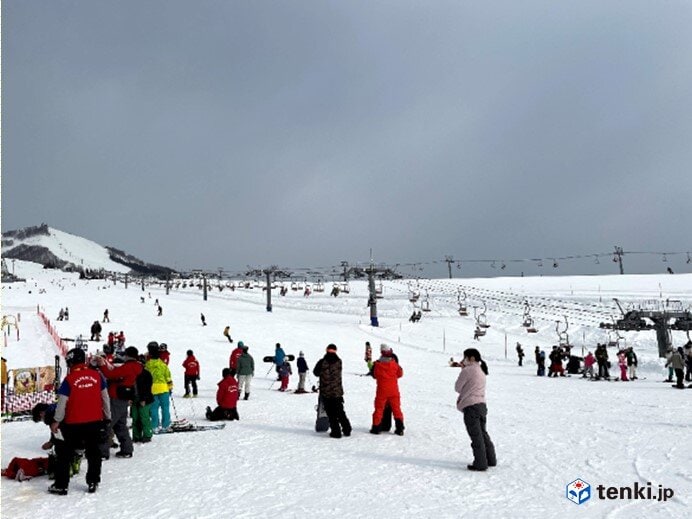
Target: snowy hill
point(547, 432)
point(58, 249)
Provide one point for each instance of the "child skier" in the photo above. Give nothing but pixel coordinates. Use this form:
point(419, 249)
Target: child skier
point(622, 362)
point(284, 372)
point(589, 361)
point(191, 374)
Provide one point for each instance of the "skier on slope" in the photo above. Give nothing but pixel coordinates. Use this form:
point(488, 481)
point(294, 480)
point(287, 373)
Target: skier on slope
point(285, 372)
point(589, 361)
point(387, 372)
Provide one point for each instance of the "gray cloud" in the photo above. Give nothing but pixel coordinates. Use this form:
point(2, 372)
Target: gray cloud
point(230, 133)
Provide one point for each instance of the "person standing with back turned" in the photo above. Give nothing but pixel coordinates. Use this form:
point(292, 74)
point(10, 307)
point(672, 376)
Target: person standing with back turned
point(471, 388)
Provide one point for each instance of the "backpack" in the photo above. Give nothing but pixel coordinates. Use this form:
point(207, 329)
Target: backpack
point(142, 387)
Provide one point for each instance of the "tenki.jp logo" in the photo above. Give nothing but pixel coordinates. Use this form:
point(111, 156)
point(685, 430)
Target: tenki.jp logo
point(578, 491)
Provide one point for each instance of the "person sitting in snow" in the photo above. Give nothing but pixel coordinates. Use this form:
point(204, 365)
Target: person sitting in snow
point(226, 398)
point(284, 372)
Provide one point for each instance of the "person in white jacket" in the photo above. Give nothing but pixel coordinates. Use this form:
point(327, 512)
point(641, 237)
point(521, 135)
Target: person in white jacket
point(471, 388)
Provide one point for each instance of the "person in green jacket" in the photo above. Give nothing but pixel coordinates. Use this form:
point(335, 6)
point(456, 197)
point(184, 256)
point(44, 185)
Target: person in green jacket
point(246, 370)
point(160, 389)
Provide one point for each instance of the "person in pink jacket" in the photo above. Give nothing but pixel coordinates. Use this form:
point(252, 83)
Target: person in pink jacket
point(589, 361)
point(471, 388)
point(622, 362)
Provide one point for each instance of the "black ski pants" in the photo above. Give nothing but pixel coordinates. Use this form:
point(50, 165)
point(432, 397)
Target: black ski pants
point(338, 421)
point(191, 380)
point(475, 417)
point(86, 436)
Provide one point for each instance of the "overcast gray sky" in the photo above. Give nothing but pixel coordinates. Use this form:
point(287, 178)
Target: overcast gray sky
point(231, 133)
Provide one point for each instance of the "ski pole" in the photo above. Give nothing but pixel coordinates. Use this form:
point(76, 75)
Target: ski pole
point(175, 411)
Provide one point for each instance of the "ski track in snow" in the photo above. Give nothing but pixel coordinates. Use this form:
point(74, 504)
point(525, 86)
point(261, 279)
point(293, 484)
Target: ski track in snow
point(547, 432)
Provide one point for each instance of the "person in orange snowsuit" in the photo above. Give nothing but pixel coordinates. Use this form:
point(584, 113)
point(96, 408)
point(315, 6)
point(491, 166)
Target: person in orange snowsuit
point(387, 373)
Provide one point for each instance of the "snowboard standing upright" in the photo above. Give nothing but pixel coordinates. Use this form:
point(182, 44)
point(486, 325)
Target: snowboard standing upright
point(322, 422)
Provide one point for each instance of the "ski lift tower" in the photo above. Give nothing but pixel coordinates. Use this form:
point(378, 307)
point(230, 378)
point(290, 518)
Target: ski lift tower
point(372, 290)
point(635, 320)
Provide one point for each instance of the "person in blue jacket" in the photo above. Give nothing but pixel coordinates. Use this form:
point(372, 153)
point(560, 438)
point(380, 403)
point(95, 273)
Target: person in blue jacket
point(279, 357)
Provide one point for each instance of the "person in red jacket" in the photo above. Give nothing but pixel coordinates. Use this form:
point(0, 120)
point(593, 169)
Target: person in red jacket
point(387, 372)
point(226, 398)
point(121, 390)
point(82, 412)
point(235, 354)
point(121, 339)
point(191, 374)
point(164, 355)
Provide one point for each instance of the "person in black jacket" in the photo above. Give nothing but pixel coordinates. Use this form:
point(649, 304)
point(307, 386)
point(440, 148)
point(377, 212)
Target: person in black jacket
point(328, 370)
point(139, 410)
point(302, 372)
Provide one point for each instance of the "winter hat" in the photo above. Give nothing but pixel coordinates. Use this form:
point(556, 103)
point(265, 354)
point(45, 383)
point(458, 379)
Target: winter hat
point(131, 352)
point(301, 354)
point(245, 348)
point(241, 344)
point(331, 347)
point(190, 352)
point(384, 348)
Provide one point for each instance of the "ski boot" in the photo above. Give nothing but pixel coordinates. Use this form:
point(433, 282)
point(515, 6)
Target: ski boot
point(399, 427)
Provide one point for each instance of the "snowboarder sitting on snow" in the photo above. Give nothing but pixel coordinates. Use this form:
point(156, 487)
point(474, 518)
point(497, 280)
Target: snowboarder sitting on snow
point(387, 372)
point(302, 372)
point(45, 413)
point(226, 398)
point(284, 372)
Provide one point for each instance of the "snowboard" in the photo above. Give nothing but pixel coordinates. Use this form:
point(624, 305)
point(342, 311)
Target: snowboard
point(290, 358)
point(185, 426)
point(322, 422)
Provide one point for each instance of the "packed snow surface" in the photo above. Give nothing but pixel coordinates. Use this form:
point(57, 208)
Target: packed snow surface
point(547, 432)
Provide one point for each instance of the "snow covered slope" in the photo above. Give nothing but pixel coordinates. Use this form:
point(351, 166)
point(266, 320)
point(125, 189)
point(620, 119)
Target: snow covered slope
point(548, 432)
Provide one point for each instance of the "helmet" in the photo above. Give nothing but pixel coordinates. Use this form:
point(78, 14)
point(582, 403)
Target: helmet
point(163, 346)
point(75, 356)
